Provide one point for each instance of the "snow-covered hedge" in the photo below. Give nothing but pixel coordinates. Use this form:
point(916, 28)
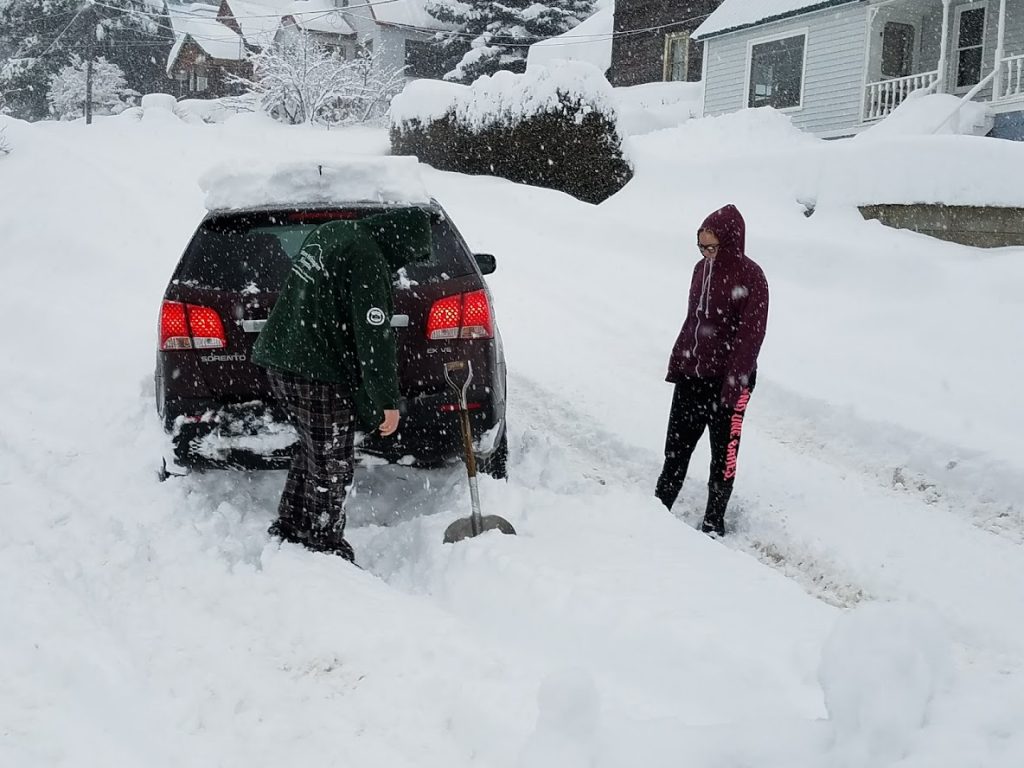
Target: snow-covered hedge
point(554, 127)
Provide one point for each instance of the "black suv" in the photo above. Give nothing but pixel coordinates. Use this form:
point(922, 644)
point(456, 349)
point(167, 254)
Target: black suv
point(216, 404)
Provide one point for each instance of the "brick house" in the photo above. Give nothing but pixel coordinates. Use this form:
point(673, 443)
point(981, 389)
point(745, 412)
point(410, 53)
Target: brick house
point(205, 53)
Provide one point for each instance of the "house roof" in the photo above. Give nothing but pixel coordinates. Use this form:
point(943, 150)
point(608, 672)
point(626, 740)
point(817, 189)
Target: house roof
point(733, 15)
point(259, 20)
point(406, 13)
point(318, 16)
point(589, 41)
point(198, 23)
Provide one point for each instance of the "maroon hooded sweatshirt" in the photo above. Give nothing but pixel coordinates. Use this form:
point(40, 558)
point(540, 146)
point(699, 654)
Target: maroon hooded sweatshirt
point(727, 314)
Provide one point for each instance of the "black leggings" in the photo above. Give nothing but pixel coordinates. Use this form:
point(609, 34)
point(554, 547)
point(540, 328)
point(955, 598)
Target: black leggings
point(695, 407)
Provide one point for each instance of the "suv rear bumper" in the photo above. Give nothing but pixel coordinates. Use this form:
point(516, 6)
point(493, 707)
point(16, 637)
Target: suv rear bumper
point(207, 434)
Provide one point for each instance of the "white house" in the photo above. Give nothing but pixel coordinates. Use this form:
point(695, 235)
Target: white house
point(399, 31)
point(838, 66)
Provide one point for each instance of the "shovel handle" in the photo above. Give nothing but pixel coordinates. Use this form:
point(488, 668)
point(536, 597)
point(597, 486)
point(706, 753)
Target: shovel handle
point(451, 374)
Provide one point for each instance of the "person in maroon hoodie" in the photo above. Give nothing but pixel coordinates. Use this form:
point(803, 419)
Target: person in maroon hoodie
point(714, 362)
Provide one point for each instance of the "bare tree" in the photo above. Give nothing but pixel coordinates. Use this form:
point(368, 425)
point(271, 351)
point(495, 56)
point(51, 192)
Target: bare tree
point(300, 80)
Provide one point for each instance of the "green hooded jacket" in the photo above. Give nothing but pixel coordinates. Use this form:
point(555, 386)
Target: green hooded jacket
point(332, 321)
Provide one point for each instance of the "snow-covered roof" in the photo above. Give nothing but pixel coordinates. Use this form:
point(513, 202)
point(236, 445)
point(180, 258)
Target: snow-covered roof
point(318, 16)
point(198, 23)
point(255, 182)
point(258, 19)
point(406, 13)
point(589, 41)
point(739, 14)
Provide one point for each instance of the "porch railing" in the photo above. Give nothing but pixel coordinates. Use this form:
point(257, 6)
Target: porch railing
point(883, 97)
point(1011, 78)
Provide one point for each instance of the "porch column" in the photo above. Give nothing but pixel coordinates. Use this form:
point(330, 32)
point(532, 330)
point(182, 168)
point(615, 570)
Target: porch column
point(997, 85)
point(944, 49)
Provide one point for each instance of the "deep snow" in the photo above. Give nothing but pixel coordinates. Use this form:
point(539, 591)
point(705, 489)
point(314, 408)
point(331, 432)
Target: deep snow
point(868, 610)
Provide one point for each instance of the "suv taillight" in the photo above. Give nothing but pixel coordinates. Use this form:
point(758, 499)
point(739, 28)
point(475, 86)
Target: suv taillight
point(187, 326)
point(463, 316)
point(476, 316)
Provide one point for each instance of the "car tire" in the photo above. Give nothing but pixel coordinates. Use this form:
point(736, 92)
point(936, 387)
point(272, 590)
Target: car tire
point(496, 465)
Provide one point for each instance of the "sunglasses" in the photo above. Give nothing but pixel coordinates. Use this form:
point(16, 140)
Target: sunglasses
point(709, 248)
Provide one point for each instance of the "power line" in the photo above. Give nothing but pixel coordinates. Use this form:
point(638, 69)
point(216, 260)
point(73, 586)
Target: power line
point(45, 17)
point(564, 39)
point(58, 37)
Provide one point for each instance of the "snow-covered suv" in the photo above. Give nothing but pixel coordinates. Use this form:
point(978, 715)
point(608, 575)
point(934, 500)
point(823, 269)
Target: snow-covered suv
point(216, 404)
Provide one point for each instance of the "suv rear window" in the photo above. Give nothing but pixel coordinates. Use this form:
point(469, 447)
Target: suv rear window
point(252, 252)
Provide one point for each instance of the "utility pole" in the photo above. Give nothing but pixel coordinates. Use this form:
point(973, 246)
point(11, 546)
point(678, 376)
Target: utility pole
point(89, 53)
point(88, 87)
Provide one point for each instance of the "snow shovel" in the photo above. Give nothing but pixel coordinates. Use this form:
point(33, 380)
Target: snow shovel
point(476, 523)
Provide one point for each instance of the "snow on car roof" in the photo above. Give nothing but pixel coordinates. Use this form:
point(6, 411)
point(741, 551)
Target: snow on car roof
point(251, 184)
point(738, 14)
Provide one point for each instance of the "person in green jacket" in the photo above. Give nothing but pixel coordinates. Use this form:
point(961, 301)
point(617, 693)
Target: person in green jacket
point(330, 354)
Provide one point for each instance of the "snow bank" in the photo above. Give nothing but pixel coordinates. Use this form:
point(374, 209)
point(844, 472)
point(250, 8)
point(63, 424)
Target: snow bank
point(767, 156)
point(216, 110)
point(243, 184)
point(568, 722)
point(506, 98)
point(655, 106)
point(159, 101)
point(949, 170)
point(880, 671)
point(925, 115)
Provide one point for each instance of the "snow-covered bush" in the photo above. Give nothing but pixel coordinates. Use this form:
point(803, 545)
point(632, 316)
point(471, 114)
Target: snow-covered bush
point(299, 80)
point(5, 148)
point(553, 127)
point(110, 91)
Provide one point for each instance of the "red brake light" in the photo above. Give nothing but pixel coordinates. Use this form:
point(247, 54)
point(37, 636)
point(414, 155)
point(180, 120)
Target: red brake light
point(173, 328)
point(454, 407)
point(476, 316)
point(301, 216)
point(207, 329)
point(464, 316)
point(187, 326)
point(444, 319)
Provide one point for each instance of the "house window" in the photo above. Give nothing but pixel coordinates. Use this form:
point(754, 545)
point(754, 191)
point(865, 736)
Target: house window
point(970, 45)
point(677, 56)
point(777, 72)
point(897, 50)
point(422, 59)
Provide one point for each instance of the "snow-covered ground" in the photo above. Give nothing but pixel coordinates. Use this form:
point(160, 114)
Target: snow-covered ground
point(868, 611)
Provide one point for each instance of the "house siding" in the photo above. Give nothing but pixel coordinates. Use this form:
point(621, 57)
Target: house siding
point(833, 72)
point(640, 57)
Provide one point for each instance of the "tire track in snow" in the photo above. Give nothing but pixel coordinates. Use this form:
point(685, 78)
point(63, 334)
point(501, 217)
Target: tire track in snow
point(603, 459)
point(976, 487)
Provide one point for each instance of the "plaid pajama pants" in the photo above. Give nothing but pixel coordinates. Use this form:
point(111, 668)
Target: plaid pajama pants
point(313, 502)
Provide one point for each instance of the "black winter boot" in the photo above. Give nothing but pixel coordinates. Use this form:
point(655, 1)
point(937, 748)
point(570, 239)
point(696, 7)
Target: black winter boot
point(331, 542)
point(286, 531)
point(667, 491)
point(714, 515)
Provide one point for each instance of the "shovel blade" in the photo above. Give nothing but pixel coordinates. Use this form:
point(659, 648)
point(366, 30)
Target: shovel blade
point(463, 528)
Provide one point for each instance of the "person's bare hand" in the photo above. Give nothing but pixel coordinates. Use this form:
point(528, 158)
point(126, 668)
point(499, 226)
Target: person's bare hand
point(389, 426)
